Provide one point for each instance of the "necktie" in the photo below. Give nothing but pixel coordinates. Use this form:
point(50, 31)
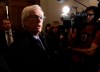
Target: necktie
point(9, 38)
point(40, 43)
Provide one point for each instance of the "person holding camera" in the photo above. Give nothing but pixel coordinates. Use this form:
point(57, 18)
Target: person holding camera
point(85, 44)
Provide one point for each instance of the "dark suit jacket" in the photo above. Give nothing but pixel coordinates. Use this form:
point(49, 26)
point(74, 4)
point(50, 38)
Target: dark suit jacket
point(3, 65)
point(27, 54)
point(3, 43)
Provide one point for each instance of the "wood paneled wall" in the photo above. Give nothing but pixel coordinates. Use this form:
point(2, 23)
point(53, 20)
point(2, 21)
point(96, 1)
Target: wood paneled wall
point(15, 8)
point(2, 13)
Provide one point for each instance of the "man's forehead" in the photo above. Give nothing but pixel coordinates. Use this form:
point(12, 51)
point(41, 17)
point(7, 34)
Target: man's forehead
point(36, 11)
point(6, 20)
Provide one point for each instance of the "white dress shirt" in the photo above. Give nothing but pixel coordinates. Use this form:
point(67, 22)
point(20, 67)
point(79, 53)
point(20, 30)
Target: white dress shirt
point(11, 35)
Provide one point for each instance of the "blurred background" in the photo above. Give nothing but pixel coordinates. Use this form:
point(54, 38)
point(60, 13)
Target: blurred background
point(52, 9)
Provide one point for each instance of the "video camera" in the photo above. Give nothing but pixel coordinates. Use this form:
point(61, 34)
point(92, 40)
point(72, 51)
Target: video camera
point(79, 19)
point(80, 15)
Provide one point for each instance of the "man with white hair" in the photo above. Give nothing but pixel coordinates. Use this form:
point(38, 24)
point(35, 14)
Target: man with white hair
point(29, 52)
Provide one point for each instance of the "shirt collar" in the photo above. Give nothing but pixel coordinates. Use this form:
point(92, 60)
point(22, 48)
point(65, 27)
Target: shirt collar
point(8, 31)
point(36, 36)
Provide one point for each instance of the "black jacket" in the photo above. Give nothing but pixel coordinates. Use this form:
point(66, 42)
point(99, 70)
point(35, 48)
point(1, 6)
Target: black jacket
point(27, 54)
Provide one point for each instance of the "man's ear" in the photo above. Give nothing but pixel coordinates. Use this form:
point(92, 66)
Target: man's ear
point(25, 23)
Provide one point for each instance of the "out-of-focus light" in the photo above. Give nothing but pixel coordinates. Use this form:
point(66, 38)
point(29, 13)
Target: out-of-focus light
point(66, 9)
point(7, 11)
point(65, 13)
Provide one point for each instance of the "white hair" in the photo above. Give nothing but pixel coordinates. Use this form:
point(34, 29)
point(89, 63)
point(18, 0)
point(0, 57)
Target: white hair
point(26, 11)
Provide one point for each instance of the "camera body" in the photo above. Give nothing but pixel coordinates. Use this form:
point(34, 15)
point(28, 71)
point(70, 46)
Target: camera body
point(80, 15)
point(79, 20)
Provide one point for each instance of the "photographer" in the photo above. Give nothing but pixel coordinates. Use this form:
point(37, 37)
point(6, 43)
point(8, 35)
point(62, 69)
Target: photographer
point(85, 43)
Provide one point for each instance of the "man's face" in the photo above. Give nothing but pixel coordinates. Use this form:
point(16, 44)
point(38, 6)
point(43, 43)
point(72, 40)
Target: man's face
point(6, 24)
point(34, 22)
point(90, 16)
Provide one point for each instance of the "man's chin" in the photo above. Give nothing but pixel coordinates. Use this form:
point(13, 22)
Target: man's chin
point(37, 31)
